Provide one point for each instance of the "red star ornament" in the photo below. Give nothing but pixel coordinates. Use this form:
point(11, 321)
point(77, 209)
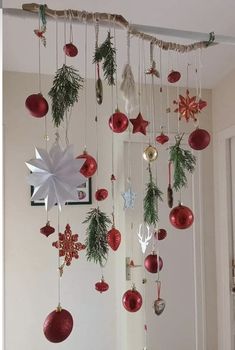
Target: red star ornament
point(139, 124)
point(68, 245)
point(189, 107)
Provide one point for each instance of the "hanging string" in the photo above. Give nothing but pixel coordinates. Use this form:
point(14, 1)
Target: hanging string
point(128, 115)
point(96, 111)
point(200, 73)
point(85, 86)
point(115, 46)
point(60, 268)
point(161, 88)
point(168, 110)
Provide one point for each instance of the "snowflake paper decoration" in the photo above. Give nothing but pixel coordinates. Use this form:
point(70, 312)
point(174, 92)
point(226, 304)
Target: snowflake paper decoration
point(188, 106)
point(129, 198)
point(68, 245)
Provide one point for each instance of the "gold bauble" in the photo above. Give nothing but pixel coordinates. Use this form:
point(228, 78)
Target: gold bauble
point(150, 153)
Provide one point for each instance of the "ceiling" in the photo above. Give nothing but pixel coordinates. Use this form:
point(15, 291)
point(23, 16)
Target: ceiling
point(20, 50)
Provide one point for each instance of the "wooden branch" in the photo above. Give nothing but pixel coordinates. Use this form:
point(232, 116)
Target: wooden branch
point(120, 21)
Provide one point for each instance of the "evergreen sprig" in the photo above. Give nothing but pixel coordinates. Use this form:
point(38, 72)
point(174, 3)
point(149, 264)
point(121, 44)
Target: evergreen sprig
point(183, 160)
point(107, 53)
point(152, 196)
point(64, 92)
point(96, 241)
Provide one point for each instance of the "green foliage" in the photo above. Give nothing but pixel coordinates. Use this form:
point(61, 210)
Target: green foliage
point(96, 241)
point(64, 92)
point(152, 195)
point(183, 160)
point(42, 15)
point(107, 53)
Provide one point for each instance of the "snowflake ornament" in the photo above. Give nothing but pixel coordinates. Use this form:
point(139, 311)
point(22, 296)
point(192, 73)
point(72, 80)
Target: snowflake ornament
point(188, 106)
point(68, 245)
point(129, 198)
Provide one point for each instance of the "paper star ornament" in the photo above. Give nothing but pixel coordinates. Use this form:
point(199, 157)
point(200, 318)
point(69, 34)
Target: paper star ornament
point(129, 198)
point(189, 107)
point(139, 124)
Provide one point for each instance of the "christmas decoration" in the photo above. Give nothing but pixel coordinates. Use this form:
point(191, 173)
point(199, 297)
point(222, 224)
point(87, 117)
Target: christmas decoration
point(199, 139)
point(47, 230)
point(153, 70)
point(68, 245)
point(173, 76)
point(160, 234)
point(99, 87)
point(101, 194)
point(150, 153)
point(144, 236)
point(183, 160)
point(151, 263)
point(114, 238)
point(96, 241)
point(37, 105)
point(64, 92)
point(129, 198)
point(162, 138)
point(101, 286)
point(42, 25)
point(159, 304)
point(181, 217)
point(58, 325)
point(90, 166)
point(152, 195)
point(70, 50)
point(139, 124)
point(170, 198)
point(188, 106)
point(55, 175)
point(107, 53)
point(128, 88)
point(118, 122)
point(132, 300)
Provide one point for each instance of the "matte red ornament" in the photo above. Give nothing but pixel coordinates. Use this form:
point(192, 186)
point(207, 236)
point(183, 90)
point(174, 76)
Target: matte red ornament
point(173, 76)
point(47, 230)
point(118, 122)
point(160, 234)
point(181, 217)
point(90, 166)
point(139, 124)
point(101, 194)
point(37, 105)
point(58, 325)
point(151, 263)
point(114, 238)
point(101, 286)
point(199, 139)
point(132, 300)
point(70, 50)
point(162, 138)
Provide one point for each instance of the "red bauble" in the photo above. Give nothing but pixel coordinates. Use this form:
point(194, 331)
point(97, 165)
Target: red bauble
point(58, 325)
point(37, 105)
point(173, 76)
point(47, 230)
point(118, 122)
point(199, 139)
point(70, 50)
point(181, 217)
point(132, 300)
point(101, 194)
point(162, 138)
point(114, 238)
point(89, 167)
point(151, 263)
point(101, 286)
point(160, 234)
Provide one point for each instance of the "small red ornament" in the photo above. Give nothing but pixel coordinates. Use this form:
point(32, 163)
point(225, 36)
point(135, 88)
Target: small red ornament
point(47, 230)
point(199, 139)
point(118, 122)
point(101, 286)
point(37, 105)
point(132, 300)
point(89, 167)
point(173, 76)
point(151, 263)
point(181, 217)
point(160, 234)
point(139, 124)
point(113, 178)
point(58, 325)
point(101, 194)
point(162, 138)
point(70, 50)
point(114, 238)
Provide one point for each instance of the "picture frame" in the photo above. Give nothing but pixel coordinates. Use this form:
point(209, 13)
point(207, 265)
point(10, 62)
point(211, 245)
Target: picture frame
point(84, 195)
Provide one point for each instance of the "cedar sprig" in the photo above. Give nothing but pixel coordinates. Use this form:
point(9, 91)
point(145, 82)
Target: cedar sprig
point(152, 196)
point(183, 160)
point(96, 240)
point(64, 92)
point(107, 53)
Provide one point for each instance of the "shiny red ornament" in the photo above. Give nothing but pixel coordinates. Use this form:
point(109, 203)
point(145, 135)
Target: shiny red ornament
point(160, 234)
point(68, 245)
point(199, 139)
point(188, 107)
point(58, 325)
point(70, 50)
point(139, 124)
point(114, 238)
point(101, 194)
point(173, 76)
point(162, 138)
point(90, 166)
point(181, 217)
point(47, 230)
point(132, 300)
point(118, 122)
point(37, 105)
point(101, 286)
point(151, 263)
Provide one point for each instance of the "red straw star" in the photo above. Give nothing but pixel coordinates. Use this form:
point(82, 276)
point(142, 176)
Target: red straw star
point(139, 124)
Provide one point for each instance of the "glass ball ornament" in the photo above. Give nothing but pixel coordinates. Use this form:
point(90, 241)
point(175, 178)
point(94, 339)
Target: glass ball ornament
point(58, 325)
point(132, 300)
point(199, 139)
point(118, 122)
point(37, 105)
point(181, 217)
point(101, 194)
point(150, 153)
point(151, 262)
point(101, 286)
point(70, 50)
point(90, 166)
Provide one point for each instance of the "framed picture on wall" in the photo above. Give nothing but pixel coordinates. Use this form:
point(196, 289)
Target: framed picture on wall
point(84, 195)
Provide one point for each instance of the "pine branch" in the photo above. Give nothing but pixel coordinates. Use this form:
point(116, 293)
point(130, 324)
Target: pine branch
point(183, 161)
point(152, 196)
point(64, 92)
point(96, 241)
